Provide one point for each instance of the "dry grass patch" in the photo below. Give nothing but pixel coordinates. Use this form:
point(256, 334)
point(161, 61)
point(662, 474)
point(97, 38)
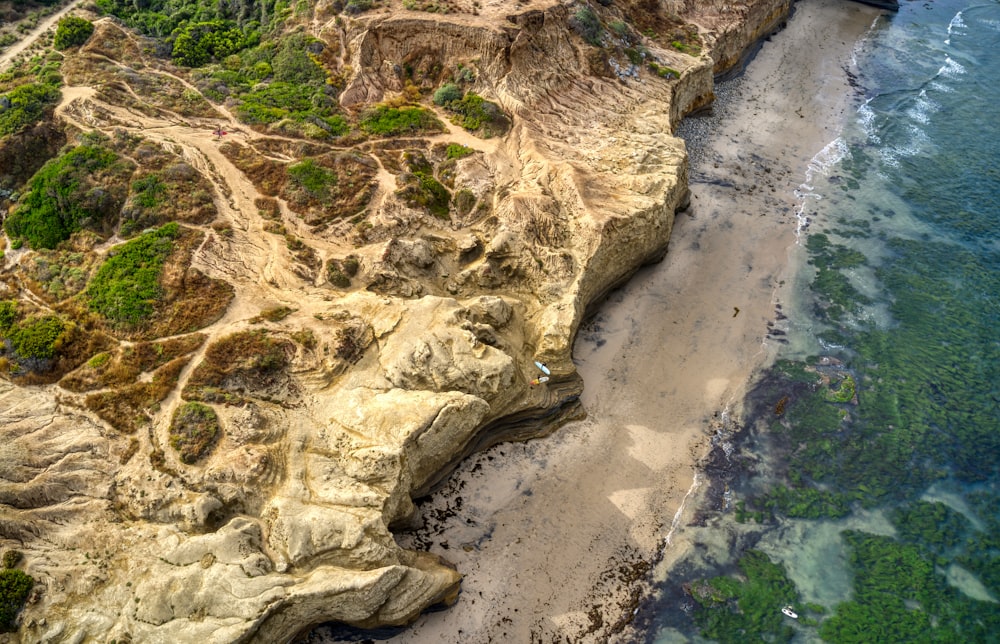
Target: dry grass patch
point(322, 189)
point(194, 431)
point(248, 364)
point(123, 365)
point(129, 408)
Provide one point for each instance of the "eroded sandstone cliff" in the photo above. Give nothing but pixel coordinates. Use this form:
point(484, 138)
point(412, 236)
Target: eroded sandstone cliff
point(349, 341)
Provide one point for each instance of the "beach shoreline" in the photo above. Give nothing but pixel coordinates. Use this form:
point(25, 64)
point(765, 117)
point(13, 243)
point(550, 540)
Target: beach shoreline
point(560, 538)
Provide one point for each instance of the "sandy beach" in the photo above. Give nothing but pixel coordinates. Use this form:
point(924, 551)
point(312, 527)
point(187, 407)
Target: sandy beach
point(558, 538)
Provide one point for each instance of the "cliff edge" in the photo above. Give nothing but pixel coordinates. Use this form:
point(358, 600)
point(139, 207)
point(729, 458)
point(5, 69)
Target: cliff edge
point(345, 293)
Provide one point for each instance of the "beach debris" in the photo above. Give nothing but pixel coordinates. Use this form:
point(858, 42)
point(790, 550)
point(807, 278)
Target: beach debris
point(787, 610)
point(779, 409)
point(736, 311)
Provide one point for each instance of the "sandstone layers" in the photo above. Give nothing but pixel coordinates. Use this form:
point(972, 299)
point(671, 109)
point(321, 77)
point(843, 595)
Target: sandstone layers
point(426, 357)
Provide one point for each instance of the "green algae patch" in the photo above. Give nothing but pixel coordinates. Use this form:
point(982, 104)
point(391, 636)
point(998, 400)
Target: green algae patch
point(747, 609)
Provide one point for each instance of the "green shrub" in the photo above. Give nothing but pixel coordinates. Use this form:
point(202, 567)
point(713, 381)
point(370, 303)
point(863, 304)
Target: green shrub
point(127, 285)
point(11, 558)
point(292, 63)
point(457, 151)
point(61, 201)
point(447, 93)
point(476, 114)
point(201, 42)
point(15, 586)
point(37, 338)
point(298, 103)
point(27, 104)
point(383, 120)
point(194, 431)
point(72, 31)
point(663, 71)
point(148, 191)
point(354, 7)
point(314, 179)
point(586, 23)
point(8, 315)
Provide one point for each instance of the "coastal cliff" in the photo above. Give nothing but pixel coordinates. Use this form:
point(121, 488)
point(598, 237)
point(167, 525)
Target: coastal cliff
point(321, 351)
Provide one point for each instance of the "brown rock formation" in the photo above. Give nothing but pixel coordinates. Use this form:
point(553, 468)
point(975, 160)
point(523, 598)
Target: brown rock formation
point(357, 387)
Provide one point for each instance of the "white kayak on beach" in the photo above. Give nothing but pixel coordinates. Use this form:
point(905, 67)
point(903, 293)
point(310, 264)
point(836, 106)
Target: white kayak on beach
point(541, 367)
point(787, 610)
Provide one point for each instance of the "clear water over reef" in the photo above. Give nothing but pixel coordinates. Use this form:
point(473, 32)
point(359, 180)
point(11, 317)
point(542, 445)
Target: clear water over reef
point(864, 490)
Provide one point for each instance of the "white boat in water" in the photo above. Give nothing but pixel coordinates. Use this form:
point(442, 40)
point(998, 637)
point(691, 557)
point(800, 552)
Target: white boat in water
point(787, 610)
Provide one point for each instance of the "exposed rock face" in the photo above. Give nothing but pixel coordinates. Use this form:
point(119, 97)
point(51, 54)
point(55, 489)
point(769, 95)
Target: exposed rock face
point(356, 399)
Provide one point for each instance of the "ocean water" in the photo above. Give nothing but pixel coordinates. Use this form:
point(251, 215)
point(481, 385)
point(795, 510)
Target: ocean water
point(863, 490)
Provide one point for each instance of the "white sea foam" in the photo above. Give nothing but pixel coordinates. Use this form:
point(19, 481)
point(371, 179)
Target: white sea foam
point(922, 108)
point(680, 510)
point(938, 86)
point(860, 44)
point(951, 68)
point(955, 24)
point(832, 153)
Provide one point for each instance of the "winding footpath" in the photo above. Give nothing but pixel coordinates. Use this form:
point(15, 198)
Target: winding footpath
point(14, 50)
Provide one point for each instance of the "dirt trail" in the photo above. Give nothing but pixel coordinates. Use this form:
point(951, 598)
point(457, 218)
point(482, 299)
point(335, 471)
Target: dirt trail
point(18, 47)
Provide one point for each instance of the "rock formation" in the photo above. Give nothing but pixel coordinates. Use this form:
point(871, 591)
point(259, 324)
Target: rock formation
point(356, 337)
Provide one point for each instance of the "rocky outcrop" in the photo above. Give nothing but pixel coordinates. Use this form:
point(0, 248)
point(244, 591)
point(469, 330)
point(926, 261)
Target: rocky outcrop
point(369, 383)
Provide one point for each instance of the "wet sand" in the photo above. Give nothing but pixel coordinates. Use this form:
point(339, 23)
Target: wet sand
point(557, 538)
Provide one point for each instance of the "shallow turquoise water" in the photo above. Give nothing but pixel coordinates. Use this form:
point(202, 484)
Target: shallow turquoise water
point(869, 469)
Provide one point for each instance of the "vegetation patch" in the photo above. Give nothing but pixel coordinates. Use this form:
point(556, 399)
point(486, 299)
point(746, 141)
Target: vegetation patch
point(72, 31)
point(81, 189)
point(312, 178)
point(126, 287)
point(458, 151)
point(662, 70)
point(340, 272)
point(194, 431)
point(275, 314)
point(472, 112)
point(384, 120)
point(419, 188)
point(123, 365)
point(57, 274)
point(586, 23)
point(25, 105)
point(242, 365)
point(15, 586)
point(131, 407)
point(322, 189)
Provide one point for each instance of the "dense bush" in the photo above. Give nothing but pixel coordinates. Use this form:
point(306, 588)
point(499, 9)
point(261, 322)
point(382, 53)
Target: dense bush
point(24, 106)
point(314, 179)
point(446, 94)
point(457, 151)
point(61, 200)
point(472, 111)
point(37, 338)
point(72, 31)
point(126, 287)
point(383, 120)
point(299, 103)
point(15, 586)
point(293, 64)
point(201, 42)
